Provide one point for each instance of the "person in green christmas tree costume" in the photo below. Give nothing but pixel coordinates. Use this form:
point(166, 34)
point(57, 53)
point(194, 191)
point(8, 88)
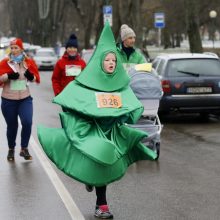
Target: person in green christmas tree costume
point(95, 144)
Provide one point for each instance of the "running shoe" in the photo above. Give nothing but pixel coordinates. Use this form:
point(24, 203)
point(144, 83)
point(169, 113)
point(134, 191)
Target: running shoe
point(25, 153)
point(11, 155)
point(103, 212)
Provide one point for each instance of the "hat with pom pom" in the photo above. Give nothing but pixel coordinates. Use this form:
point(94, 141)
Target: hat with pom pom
point(72, 42)
point(18, 42)
point(126, 32)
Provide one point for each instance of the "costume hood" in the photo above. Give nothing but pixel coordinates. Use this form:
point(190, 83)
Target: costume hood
point(94, 76)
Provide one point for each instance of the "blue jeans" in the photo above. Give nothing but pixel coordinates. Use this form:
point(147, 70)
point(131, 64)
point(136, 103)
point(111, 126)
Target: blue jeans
point(11, 110)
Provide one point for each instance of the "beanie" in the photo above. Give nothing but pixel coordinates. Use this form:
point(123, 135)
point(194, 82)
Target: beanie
point(126, 32)
point(17, 42)
point(72, 42)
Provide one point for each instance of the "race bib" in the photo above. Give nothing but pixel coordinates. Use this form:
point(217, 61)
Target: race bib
point(108, 100)
point(18, 85)
point(73, 70)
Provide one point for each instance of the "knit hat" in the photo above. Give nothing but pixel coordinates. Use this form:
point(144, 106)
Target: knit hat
point(126, 32)
point(17, 42)
point(72, 42)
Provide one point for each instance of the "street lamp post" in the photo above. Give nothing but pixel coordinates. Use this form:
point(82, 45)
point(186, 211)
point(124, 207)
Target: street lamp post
point(213, 15)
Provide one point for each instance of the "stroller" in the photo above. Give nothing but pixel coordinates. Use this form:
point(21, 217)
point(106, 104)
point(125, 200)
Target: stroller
point(147, 87)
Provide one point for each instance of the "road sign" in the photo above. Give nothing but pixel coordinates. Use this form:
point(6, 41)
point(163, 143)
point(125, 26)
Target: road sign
point(107, 14)
point(159, 20)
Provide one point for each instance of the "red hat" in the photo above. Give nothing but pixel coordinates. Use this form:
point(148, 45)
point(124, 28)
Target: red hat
point(17, 42)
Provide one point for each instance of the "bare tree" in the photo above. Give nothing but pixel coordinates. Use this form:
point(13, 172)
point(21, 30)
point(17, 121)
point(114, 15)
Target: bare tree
point(175, 23)
point(85, 18)
point(128, 12)
point(193, 26)
point(88, 13)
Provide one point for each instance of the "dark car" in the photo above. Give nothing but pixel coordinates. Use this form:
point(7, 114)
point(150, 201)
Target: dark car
point(190, 82)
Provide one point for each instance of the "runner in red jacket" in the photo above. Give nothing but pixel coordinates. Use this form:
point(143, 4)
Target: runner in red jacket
point(68, 66)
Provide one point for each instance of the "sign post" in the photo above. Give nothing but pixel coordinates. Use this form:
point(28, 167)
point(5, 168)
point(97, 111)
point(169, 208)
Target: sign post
point(107, 14)
point(159, 22)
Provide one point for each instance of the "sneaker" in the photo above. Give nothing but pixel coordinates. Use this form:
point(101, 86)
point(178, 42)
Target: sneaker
point(89, 188)
point(103, 212)
point(11, 153)
point(25, 153)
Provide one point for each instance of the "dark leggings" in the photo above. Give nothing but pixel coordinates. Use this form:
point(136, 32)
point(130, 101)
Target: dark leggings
point(11, 110)
point(101, 195)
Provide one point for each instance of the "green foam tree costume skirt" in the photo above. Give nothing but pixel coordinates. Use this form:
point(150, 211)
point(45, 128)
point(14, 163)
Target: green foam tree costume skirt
point(82, 151)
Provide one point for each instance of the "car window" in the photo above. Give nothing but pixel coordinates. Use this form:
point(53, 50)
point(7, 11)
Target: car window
point(196, 67)
point(155, 63)
point(160, 67)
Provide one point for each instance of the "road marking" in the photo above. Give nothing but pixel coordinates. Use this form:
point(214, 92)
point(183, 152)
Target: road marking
point(57, 183)
point(59, 186)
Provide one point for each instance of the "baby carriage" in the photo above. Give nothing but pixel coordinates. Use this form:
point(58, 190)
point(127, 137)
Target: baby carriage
point(147, 87)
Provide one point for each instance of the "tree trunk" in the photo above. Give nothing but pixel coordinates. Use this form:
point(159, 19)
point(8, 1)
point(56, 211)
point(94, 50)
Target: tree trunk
point(193, 26)
point(166, 38)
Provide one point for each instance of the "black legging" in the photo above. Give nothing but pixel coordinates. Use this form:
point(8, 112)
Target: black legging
point(101, 195)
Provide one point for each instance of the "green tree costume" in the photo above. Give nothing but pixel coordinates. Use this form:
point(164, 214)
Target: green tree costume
point(95, 145)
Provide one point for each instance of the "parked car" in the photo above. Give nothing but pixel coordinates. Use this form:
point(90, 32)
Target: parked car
point(190, 82)
point(3, 54)
point(45, 58)
point(4, 42)
point(86, 54)
point(31, 50)
point(61, 51)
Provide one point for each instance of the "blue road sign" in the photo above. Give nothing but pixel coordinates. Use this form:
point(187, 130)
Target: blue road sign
point(159, 20)
point(107, 14)
point(107, 9)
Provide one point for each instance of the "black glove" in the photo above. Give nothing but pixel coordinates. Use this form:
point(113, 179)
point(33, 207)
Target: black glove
point(29, 75)
point(13, 75)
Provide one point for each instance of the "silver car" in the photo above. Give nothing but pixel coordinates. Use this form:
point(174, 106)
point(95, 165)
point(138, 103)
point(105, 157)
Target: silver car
point(45, 58)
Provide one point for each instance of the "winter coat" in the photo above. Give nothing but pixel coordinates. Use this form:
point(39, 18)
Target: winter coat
point(17, 89)
point(60, 78)
point(135, 57)
point(28, 63)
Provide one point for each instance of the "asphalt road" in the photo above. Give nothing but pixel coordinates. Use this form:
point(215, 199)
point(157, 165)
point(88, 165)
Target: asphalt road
point(183, 185)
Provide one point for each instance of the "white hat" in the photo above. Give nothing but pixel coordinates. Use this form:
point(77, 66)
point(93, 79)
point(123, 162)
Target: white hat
point(126, 32)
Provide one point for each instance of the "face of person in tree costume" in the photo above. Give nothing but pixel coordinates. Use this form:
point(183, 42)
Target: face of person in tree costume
point(109, 63)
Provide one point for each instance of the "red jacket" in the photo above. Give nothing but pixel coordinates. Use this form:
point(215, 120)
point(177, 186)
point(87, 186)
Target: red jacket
point(28, 63)
point(59, 78)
